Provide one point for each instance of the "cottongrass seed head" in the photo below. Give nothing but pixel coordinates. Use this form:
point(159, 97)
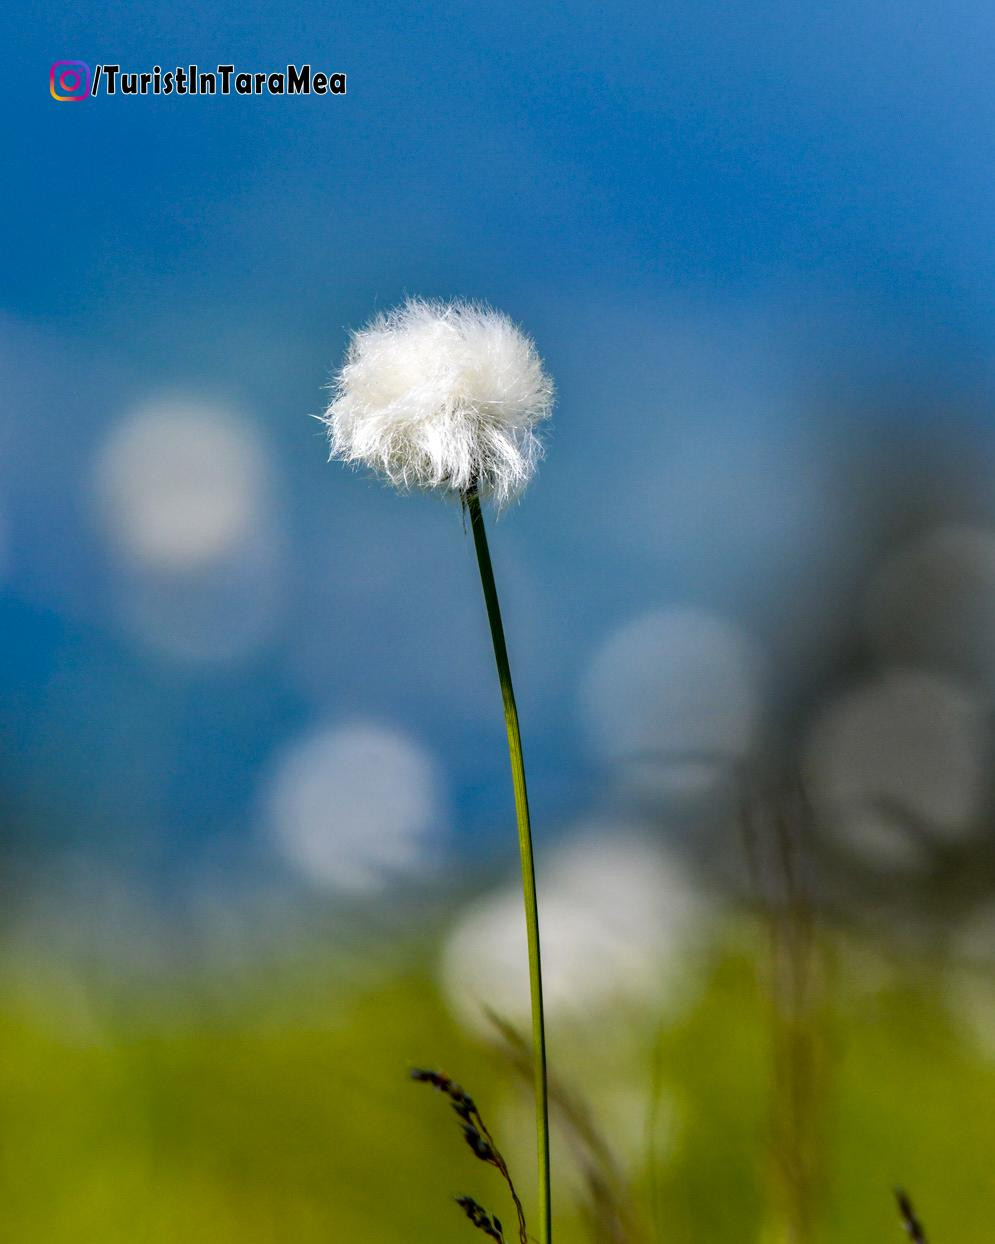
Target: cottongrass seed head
point(442, 395)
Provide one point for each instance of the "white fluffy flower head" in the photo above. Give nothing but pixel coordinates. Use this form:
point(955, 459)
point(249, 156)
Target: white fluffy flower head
point(442, 396)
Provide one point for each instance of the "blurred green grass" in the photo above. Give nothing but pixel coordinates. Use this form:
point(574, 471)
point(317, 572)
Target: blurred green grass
point(283, 1112)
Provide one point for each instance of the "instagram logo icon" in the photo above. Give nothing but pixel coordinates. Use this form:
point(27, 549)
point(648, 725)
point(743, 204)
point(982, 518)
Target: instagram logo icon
point(69, 80)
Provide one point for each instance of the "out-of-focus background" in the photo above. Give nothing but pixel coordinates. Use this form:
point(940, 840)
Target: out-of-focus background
point(257, 847)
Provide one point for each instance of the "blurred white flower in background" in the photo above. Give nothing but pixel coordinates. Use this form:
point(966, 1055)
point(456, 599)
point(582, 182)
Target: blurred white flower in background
point(442, 395)
point(898, 762)
point(620, 921)
point(933, 602)
point(356, 807)
point(183, 496)
point(672, 702)
point(180, 484)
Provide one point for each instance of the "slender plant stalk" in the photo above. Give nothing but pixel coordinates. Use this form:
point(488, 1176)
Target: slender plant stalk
point(910, 1220)
point(525, 847)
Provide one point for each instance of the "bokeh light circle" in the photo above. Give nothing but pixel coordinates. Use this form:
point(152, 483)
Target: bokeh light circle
point(672, 701)
point(180, 484)
point(356, 807)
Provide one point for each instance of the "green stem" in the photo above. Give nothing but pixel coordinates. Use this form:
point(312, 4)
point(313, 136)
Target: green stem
point(525, 847)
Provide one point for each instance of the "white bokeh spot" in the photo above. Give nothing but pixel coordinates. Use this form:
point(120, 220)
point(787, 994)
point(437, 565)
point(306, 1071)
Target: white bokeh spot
point(356, 807)
point(672, 701)
point(180, 484)
point(897, 762)
point(616, 917)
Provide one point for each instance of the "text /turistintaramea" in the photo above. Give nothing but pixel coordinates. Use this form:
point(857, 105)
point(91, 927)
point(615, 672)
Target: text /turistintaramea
point(222, 80)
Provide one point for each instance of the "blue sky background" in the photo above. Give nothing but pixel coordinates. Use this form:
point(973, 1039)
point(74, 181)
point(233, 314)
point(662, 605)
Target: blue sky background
point(754, 244)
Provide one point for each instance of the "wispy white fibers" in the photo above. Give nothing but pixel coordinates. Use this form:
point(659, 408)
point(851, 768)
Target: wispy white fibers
point(619, 916)
point(898, 762)
point(444, 396)
point(355, 807)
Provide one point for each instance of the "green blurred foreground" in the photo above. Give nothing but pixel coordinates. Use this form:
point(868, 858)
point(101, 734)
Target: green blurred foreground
point(285, 1113)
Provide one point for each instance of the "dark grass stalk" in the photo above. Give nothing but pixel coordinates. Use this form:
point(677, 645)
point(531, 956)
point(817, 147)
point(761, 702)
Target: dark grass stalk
point(910, 1221)
point(487, 1224)
point(540, 1074)
point(483, 1147)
